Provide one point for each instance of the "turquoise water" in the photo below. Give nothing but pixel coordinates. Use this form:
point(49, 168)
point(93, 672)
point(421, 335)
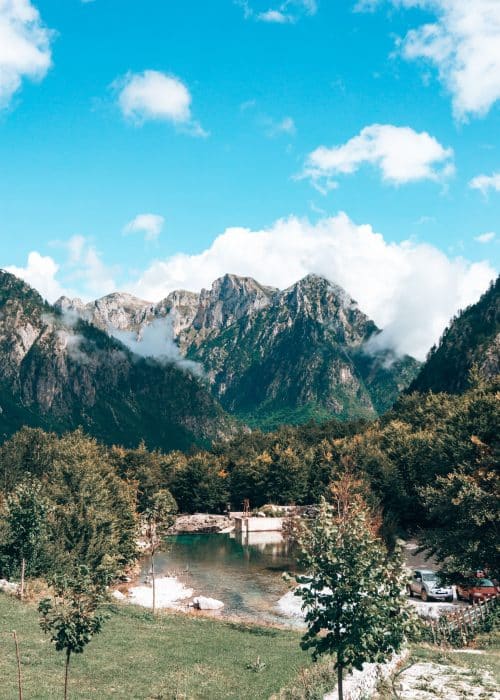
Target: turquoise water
point(246, 577)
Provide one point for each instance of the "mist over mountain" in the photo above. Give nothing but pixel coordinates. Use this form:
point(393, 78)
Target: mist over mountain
point(270, 356)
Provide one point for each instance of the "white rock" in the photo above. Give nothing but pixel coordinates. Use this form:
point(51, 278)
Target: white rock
point(8, 586)
point(118, 595)
point(203, 603)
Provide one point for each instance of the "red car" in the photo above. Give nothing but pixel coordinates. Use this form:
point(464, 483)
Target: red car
point(482, 589)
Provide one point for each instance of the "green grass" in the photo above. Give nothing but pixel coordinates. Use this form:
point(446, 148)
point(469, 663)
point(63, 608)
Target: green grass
point(176, 656)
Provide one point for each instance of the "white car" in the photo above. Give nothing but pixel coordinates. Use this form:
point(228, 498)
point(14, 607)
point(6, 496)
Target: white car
point(426, 584)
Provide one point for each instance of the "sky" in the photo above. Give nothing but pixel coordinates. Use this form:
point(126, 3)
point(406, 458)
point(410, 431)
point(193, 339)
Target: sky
point(154, 145)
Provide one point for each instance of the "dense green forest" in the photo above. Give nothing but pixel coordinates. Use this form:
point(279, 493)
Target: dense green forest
point(411, 461)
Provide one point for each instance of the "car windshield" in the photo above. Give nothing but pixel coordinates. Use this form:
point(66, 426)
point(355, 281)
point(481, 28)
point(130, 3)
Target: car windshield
point(430, 577)
point(486, 583)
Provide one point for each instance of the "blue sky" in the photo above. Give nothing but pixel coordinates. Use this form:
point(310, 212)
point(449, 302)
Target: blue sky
point(142, 131)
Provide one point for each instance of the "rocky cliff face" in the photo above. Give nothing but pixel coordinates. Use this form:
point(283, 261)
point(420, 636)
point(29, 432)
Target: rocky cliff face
point(471, 340)
point(60, 372)
point(302, 354)
point(272, 355)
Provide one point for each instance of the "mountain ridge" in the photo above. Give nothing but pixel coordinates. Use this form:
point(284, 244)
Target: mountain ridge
point(245, 335)
point(61, 372)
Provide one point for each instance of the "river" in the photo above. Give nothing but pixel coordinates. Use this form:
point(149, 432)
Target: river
point(245, 576)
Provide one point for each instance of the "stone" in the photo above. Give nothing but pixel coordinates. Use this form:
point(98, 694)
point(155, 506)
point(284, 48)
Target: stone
point(202, 603)
point(8, 586)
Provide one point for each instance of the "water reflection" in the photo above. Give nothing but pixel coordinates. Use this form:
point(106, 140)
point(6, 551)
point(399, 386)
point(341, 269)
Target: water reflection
point(244, 572)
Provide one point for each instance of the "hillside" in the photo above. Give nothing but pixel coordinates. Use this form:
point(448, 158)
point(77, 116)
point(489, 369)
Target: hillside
point(471, 339)
point(60, 372)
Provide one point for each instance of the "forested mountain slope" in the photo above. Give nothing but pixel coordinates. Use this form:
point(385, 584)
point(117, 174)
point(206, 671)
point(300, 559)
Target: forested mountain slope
point(471, 340)
point(60, 372)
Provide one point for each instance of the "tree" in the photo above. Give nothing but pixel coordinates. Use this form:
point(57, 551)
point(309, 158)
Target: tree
point(74, 614)
point(353, 591)
point(159, 517)
point(94, 514)
point(463, 507)
point(287, 477)
point(26, 520)
point(202, 484)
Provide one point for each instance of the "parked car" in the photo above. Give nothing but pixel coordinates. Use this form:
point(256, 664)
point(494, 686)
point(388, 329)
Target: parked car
point(480, 590)
point(426, 584)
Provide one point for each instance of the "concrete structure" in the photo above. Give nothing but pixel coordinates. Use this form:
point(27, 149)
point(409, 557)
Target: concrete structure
point(246, 525)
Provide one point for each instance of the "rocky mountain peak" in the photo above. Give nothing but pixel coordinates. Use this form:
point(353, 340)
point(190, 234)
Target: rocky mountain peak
point(230, 298)
point(65, 304)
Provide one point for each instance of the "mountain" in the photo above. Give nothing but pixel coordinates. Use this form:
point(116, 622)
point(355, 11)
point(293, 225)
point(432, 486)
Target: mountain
point(271, 356)
point(471, 339)
point(60, 372)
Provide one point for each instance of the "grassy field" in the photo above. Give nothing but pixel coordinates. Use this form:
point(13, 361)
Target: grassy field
point(173, 657)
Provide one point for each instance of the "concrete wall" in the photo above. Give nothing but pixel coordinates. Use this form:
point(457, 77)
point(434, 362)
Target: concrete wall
point(246, 525)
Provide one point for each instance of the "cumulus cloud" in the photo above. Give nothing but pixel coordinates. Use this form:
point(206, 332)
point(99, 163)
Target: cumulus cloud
point(401, 154)
point(24, 47)
point(40, 272)
point(83, 271)
point(409, 289)
point(486, 237)
point(150, 225)
point(85, 268)
point(156, 341)
point(484, 183)
point(463, 43)
point(153, 95)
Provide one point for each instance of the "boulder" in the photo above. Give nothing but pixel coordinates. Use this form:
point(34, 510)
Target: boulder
point(118, 595)
point(202, 603)
point(8, 586)
point(201, 522)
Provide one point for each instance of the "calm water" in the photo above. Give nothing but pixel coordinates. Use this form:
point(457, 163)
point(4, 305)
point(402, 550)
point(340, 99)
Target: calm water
point(246, 576)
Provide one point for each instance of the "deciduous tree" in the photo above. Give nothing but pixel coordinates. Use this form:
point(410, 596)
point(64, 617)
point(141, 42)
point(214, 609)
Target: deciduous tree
point(74, 614)
point(353, 591)
point(159, 517)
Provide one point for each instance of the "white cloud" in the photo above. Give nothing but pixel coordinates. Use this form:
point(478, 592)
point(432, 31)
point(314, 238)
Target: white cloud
point(402, 155)
point(486, 237)
point(463, 44)
point(484, 183)
point(274, 16)
point(150, 225)
point(85, 269)
point(285, 126)
point(152, 95)
point(409, 289)
point(24, 47)
point(287, 12)
point(156, 340)
point(40, 272)
point(82, 273)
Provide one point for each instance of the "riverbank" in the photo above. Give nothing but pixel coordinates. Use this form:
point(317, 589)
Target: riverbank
point(137, 657)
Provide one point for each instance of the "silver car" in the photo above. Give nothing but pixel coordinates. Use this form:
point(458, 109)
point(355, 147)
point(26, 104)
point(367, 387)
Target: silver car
point(426, 584)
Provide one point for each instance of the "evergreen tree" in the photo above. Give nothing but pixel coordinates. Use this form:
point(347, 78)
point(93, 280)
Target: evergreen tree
point(26, 515)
